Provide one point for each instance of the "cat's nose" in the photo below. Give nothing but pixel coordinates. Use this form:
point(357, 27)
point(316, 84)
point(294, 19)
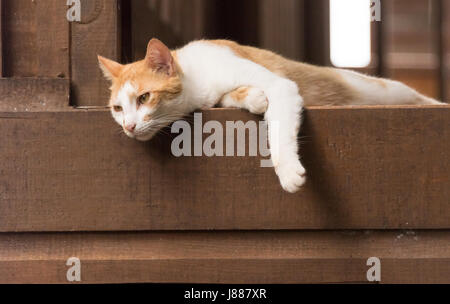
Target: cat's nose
point(130, 127)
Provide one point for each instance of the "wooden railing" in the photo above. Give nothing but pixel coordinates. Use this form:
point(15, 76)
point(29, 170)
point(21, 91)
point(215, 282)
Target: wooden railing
point(72, 186)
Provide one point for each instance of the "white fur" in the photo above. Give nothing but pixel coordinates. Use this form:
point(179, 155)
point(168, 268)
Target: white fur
point(375, 91)
point(132, 114)
point(255, 102)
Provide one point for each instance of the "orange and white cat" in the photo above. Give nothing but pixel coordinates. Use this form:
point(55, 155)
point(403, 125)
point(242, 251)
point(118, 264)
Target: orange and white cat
point(165, 86)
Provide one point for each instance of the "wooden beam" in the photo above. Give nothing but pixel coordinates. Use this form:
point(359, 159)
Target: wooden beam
point(368, 168)
point(98, 33)
point(227, 257)
point(34, 94)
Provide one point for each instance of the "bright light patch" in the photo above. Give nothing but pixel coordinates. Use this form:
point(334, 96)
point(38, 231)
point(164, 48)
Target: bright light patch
point(350, 33)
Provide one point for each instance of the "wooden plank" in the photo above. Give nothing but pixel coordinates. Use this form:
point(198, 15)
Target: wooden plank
point(34, 94)
point(446, 47)
point(368, 168)
point(438, 12)
point(281, 27)
point(36, 39)
point(126, 32)
point(98, 33)
point(175, 22)
point(317, 32)
point(227, 257)
point(1, 38)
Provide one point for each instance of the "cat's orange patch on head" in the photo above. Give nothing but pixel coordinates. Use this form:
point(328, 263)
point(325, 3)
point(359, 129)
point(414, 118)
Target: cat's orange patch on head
point(158, 74)
point(144, 80)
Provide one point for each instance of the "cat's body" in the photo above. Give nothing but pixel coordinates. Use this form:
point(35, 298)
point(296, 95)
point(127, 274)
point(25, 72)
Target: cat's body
point(167, 85)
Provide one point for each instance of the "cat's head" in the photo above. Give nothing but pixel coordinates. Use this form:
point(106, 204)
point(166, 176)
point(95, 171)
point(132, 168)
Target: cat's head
point(145, 94)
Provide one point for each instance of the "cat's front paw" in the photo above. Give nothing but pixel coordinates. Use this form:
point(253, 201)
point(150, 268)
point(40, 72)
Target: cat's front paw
point(292, 175)
point(256, 101)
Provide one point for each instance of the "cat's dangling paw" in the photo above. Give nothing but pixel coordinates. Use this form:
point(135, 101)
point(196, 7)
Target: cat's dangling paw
point(292, 175)
point(256, 101)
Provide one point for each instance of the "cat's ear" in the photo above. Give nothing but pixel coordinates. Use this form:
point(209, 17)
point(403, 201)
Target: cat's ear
point(111, 69)
point(159, 57)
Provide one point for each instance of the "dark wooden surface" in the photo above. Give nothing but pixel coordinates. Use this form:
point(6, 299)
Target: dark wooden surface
point(317, 32)
point(72, 172)
point(368, 168)
point(97, 34)
point(1, 38)
point(35, 38)
point(175, 22)
point(34, 94)
point(227, 257)
point(282, 27)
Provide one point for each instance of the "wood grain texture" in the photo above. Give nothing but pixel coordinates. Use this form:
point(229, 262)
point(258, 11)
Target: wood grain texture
point(227, 257)
point(317, 32)
point(281, 27)
point(175, 22)
point(98, 33)
point(36, 38)
point(1, 38)
point(368, 168)
point(446, 47)
point(34, 94)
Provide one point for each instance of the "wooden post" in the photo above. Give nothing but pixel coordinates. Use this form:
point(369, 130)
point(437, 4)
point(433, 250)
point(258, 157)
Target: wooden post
point(98, 33)
point(35, 42)
point(34, 55)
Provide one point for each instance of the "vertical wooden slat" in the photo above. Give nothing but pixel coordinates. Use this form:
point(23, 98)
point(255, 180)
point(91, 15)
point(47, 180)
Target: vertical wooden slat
point(175, 22)
point(438, 13)
point(52, 35)
point(126, 36)
point(381, 42)
point(35, 38)
point(1, 38)
point(281, 25)
point(437, 23)
point(236, 20)
point(317, 32)
point(446, 42)
point(19, 39)
point(98, 33)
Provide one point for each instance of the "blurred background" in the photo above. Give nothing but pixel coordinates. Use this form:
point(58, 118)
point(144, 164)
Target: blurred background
point(411, 43)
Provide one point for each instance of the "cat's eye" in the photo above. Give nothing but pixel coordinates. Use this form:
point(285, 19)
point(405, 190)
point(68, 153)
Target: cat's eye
point(143, 98)
point(117, 108)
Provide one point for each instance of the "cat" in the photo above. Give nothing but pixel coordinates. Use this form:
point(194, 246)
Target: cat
point(166, 85)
